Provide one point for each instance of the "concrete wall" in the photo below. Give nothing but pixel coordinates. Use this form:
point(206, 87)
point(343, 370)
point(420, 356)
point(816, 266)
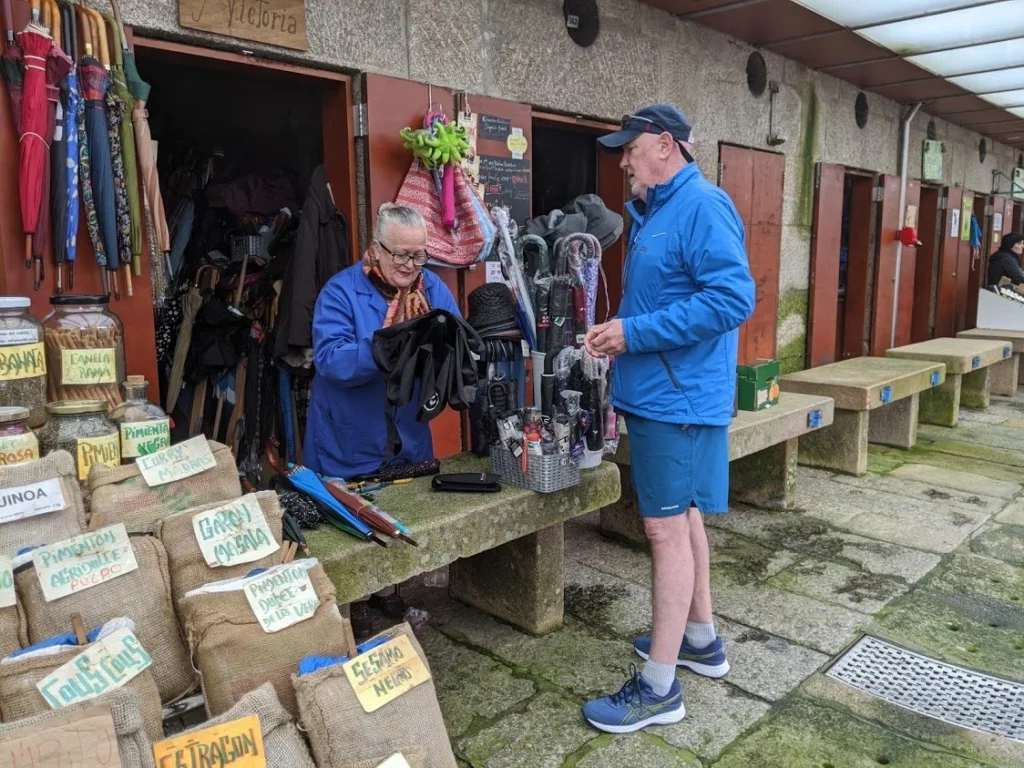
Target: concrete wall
point(519, 50)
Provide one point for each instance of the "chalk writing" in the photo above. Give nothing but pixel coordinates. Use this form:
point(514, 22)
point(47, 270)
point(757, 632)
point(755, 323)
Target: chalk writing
point(176, 462)
point(105, 665)
point(234, 533)
point(83, 739)
point(86, 561)
point(88, 366)
point(97, 450)
point(145, 437)
point(281, 597)
point(506, 181)
point(238, 743)
point(31, 500)
point(386, 672)
point(22, 362)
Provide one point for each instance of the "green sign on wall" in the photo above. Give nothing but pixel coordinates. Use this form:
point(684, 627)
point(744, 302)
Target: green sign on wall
point(965, 220)
point(931, 160)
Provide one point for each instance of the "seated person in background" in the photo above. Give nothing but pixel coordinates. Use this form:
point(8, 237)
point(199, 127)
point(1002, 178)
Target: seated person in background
point(1004, 264)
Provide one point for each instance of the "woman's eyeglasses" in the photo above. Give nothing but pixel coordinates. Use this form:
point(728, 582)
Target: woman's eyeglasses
point(420, 258)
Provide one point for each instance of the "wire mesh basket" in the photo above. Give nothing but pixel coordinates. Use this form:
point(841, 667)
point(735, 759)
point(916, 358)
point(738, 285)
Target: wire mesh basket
point(546, 474)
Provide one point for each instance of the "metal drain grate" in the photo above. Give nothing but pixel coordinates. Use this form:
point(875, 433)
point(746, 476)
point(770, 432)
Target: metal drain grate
point(946, 692)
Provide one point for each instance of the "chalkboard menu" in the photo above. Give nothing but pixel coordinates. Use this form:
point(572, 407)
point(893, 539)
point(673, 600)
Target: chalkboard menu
point(494, 128)
point(507, 182)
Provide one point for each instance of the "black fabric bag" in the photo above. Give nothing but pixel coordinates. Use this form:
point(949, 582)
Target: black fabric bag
point(467, 482)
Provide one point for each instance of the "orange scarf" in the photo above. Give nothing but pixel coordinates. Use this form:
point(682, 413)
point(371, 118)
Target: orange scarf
point(403, 303)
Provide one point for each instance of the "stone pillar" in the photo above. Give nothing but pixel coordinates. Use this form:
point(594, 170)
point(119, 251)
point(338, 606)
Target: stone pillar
point(767, 478)
point(896, 423)
point(1005, 376)
point(941, 405)
point(976, 390)
point(842, 447)
point(622, 520)
point(520, 582)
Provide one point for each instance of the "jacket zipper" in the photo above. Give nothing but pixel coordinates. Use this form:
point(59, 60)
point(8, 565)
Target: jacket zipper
point(668, 370)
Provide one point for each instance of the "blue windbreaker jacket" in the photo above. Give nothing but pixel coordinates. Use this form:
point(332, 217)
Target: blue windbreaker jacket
point(346, 430)
point(686, 289)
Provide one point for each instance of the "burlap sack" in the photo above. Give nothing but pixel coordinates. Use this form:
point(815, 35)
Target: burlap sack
point(233, 653)
point(12, 631)
point(20, 698)
point(188, 566)
point(144, 596)
point(342, 735)
point(52, 526)
point(120, 494)
point(133, 745)
point(283, 745)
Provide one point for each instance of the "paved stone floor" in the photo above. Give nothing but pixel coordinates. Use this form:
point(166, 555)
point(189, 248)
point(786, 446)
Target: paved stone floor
point(926, 550)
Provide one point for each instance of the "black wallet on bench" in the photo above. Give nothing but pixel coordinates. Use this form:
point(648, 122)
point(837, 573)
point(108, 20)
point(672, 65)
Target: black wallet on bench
point(467, 482)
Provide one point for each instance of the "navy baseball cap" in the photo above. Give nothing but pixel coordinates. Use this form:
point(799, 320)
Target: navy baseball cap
point(656, 119)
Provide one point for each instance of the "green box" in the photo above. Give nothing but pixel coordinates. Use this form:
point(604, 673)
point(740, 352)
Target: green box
point(757, 385)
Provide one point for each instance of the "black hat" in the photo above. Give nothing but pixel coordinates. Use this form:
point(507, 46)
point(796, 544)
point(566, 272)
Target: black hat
point(602, 223)
point(656, 119)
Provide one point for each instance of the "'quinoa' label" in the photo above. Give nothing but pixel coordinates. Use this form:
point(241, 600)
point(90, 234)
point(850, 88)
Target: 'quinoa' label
point(17, 449)
point(18, 336)
point(8, 597)
point(31, 500)
point(234, 533)
point(98, 450)
point(88, 366)
point(22, 362)
point(142, 438)
point(77, 564)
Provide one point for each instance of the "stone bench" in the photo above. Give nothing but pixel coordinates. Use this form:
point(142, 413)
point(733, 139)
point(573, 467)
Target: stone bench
point(885, 387)
point(505, 549)
point(762, 456)
point(971, 366)
point(1005, 379)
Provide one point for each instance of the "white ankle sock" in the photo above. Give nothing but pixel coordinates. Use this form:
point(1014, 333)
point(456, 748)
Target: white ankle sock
point(700, 635)
point(659, 676)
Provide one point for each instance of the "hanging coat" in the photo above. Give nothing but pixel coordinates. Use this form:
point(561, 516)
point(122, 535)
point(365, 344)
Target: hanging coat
point(347, 430)
point(321, 251)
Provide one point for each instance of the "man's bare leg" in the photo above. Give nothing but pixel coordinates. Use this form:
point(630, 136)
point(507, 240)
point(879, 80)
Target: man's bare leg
point(672, 572)
point(700, 605)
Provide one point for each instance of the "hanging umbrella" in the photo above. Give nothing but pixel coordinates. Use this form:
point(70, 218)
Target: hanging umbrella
point(131, 168)
point(70, 100)
point(190, 304)
point(12, 67)
point(84, 161)
point(116, 110)
point(35, 46)
point(59, 145)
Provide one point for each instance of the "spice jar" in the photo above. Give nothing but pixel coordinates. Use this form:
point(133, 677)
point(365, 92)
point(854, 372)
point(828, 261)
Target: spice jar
point(81, 428)
point(84, 350)
point(22, 359)
point(144, 426)
point(18, 443)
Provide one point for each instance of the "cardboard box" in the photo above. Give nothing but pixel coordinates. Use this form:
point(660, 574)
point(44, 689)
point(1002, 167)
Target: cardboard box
point(757, 385)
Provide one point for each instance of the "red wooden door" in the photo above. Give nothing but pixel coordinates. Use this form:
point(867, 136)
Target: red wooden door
point(886, 264)
point(754, 180)
point(949, 263)
point(929, 219)
point(857, 310)
point(826, 234)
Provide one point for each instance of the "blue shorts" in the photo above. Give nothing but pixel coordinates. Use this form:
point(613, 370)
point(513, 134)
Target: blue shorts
point(677, 466)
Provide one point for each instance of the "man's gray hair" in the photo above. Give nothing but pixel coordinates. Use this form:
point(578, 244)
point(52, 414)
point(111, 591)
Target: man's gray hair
point(402, 215)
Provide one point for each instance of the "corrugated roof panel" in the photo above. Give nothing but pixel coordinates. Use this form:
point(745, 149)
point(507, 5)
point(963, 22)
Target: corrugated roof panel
point(985, 82)
point(867, 12)
point(1013, 98)
point(975, 58)
point(954, 29)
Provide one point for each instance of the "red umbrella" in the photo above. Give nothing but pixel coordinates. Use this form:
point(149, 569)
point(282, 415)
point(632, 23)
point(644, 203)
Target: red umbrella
point(35, 47)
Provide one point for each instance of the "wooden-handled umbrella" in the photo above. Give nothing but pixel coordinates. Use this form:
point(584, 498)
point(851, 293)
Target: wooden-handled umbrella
point(116, 110)
point(71, 100)
point(57, 66)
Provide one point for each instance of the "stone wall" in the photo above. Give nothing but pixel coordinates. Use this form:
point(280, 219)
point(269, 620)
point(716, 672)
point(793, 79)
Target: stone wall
point(519, 50)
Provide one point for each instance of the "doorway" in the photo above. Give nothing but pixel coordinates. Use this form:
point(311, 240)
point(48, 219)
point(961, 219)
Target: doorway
point(926, 273)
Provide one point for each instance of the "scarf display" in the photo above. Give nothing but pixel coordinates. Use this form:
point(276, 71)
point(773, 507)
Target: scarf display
point(403, 303)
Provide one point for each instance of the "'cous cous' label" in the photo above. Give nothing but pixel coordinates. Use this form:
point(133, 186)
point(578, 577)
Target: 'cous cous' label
point(142, 438)
point(105, 665)
point(97, 450)
point(88, 366)
point(17, 449)
point(25, 361)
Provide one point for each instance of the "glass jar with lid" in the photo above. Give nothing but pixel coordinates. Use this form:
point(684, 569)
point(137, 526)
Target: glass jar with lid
point(82, 428)
point(144, 426)
point(84, 350)
point(22, 359)
point(18, 443)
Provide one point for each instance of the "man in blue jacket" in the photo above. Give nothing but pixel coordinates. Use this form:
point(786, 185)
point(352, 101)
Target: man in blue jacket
point(686, 289)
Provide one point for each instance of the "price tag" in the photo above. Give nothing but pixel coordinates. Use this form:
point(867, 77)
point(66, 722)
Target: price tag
point(386, 672)
point(176, 462)
point(493, 269)
point(106, 665)
point(144, 438)
point(97, 450)
point(83, 739)
point(235, 533)
point(22, 362)
point(31, 500)
point(281, 597)
point(18, 449)
point(9, 338)
point(238, 743)
point(8, 597)
point(88, 366)
point(86, 561)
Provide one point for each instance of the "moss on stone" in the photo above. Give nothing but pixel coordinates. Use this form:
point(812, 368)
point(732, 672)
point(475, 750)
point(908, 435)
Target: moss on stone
point(808, 153)
point(941, 405)
point(923, 453)
point(764, 479)
point(791, 355)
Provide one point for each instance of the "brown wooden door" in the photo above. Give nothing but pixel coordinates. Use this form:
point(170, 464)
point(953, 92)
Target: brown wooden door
point(949, 263)
point(884, 293)
point(929, 220)
point(754, 180)
point(826, 236)
point(857, 309)
point(1009, 211)
point(968, 205)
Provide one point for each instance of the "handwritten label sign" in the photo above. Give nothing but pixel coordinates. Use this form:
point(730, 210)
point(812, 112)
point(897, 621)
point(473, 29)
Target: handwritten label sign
point(8, 597)
point(384, 673)
point(17, 449)
point(144, 438)
point(235, 533)
point(506, 182)
point(517, 144)
point(176, 462)
point(281, 597)
point(97, 450)
point(278, 22)
point(86, 561)
point(106, 665)
point(88, 366)
point(31, 500)
point(84, 739)
point(493, 128)
point(238, 743)
point(24, 361)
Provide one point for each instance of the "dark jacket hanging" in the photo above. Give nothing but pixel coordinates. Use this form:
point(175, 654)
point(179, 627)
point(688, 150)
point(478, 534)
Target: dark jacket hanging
point(321, 251)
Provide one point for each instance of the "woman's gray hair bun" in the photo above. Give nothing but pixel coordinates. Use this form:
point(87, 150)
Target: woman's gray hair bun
point(402, 215)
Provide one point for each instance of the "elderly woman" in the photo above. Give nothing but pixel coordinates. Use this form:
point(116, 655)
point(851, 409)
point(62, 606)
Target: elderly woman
point(346, 432)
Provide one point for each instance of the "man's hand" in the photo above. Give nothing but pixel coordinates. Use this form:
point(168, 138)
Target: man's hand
point(606, 339)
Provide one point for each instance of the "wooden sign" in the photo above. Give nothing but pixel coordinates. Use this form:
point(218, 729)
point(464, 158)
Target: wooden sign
point(86, 561)
point(282, 596)
point(84, 739)
point(176, 462)
point(105, 665)
point(276, 22)
point(238, 743)
point(235, 533)
point(384, 673)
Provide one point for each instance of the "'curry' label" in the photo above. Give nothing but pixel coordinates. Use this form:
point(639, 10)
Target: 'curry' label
point(30, 500)
point(386, 672)
point(8, 597)
point(106, 665)
point(237, 743)
point(83, 562)
point(17, 449)
point(234, 533)
point(88, 366)
point(176, 462)
point(97, 450)
point(22, 362)
point(281, 597)
point(143, 438)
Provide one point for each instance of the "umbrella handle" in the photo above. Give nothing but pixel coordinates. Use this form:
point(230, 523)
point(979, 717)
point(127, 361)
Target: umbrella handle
point(55, 23)
point(101, 34)
point(35, 10)
point(8, 21)
point(45, 15)
point(112, 37)
point(86, 28)
point(120, 23)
